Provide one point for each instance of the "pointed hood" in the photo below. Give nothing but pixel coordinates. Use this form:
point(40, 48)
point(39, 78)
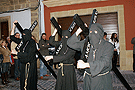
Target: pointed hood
point(27, 35)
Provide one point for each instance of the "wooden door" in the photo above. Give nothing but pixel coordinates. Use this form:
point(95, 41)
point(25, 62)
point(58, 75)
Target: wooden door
point(109, 21)
point(4, 30)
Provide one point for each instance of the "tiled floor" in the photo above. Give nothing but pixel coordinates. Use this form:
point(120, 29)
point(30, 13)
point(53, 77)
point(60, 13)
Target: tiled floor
point(48, 83)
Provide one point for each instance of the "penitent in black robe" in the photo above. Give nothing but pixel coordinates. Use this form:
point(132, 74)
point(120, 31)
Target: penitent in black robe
point(29, 55)
point(98, 76)
point(68, 81)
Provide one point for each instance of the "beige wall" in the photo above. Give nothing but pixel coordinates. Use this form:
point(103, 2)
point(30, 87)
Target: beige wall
point(53, 3)
point(126, 59)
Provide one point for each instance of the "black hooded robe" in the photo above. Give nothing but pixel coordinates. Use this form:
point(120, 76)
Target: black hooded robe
point(98, 76)
point(29, 55)
point(68, 81)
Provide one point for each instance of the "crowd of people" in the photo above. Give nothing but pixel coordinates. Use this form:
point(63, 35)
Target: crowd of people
point(22, 63)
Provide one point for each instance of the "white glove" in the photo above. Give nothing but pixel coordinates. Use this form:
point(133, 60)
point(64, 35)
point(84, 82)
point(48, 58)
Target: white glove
point(81, 64)
point(47, 58)
point(79, 30)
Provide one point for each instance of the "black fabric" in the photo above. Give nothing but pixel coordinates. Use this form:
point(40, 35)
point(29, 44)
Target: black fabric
point(133, 42)
point(27, 35)
point(114, 45)
point(16, 40)
point(99, 28)
point(134, 62)
point(100, 60)
point(68, 81)
point(52, 42)
point(114, 59)
point(64, 39)
point(29, 55)
point(96, 37)
point(65, 56)
point(66, 33)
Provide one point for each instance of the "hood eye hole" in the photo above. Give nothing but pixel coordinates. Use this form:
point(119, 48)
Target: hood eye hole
point(96, 32)
point(66, 36)
point(90, 31)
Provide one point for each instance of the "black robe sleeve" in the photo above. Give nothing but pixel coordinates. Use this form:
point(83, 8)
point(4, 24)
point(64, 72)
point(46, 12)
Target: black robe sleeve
point(27, 55)
point(75, 43)
point(16, 40)
point(61, 58)
point(52, 41)
point(133, 40)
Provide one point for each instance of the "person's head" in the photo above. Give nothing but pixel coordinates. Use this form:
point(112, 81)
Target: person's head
point(8, 38)
point(26, 35)
point(114, 37)
point(2, 42)
point(96, 33)
point(17, 35)
point(66, 34)
point(43, 36)
point(105, 34)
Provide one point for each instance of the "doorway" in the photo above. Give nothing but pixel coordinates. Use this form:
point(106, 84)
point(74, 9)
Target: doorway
point(109, 21)
point(5, 26)
point(4, 30)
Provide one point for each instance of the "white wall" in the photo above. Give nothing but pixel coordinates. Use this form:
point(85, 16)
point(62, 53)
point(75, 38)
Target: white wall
point(23, 17)
point(41, 18)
